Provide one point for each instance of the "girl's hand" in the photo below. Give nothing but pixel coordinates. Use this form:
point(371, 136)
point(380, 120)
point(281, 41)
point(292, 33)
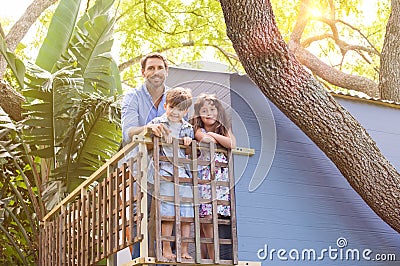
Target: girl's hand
point(207, 139)
point(187, 141)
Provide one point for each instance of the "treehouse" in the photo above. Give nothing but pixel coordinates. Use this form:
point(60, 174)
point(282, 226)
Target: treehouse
point(289, 203)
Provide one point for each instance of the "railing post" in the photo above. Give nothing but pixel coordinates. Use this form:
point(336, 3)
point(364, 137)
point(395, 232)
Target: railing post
point(144, 244)
point(196, 202)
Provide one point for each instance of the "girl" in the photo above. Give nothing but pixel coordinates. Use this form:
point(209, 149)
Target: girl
point(210, 124)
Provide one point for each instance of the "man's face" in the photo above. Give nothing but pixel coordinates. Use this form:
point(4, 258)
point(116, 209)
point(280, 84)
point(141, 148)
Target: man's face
point(154, 72)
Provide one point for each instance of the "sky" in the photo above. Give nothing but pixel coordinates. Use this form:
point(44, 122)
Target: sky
point(13, 9)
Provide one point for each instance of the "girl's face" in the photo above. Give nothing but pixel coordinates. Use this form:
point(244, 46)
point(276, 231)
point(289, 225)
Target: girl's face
point(208, 113)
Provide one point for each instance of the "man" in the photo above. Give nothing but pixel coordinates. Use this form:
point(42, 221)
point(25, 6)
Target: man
point(146, 102)
point(143, 104)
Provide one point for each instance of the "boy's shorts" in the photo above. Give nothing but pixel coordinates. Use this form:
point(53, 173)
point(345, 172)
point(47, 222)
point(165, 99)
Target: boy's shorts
point(168, 209)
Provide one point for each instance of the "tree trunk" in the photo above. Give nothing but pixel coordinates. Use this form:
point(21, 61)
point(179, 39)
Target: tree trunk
point(269, 63)
point(11, 100)
point(389, 78)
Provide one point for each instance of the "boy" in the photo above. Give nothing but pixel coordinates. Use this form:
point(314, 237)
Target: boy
point(178, 101)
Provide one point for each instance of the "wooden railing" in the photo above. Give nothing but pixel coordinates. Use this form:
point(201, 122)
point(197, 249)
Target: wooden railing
point(109, 211)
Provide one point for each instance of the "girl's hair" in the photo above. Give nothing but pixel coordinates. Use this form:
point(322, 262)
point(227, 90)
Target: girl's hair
point(221, 125)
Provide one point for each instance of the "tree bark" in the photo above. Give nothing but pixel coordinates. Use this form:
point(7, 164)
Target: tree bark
point(276, 71)
point(332, 75)
point(11, 100)
point(389, 78)
point(318, 67)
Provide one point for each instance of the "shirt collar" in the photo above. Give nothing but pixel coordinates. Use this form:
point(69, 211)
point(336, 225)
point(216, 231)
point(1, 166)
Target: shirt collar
point(164, 119)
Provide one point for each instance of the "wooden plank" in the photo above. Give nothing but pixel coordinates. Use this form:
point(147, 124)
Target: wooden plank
point(131, 198)
point(214, 204)
point(89, 230)
point(109, 213)
point(78, 230)
point(125, 178)
point(144, 244)
point(73, 234)
point(64, 230)
point(93, 177)
point(195, 176)
point(95, 231)
point(156, 198)
point(233, 210)
point(82, 218)
point(104, 227)
point(151, 261)
point(52, 246)
point(98, 220)
point(178, 231)
point(68, 235)
point(117, 206)
point(58, 245)
point(243, 151)
point(139, 193)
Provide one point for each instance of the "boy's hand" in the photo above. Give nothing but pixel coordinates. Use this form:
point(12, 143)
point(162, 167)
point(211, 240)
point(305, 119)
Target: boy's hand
point(159, 130)
point(168, 138)
point(187, 141)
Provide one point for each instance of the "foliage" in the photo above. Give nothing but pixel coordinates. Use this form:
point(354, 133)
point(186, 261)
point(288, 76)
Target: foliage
point(71, 124)
point(18, 216)
point(14, 63)
point(183, 30)
point(69, 103)
point(195, 30)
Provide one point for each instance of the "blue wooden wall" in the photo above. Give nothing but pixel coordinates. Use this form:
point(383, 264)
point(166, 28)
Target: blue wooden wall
point(304, 201)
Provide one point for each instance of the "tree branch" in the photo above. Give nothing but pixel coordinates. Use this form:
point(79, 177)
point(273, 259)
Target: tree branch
point(332, 75)
point(22, 26)
point(317, 66)
point(132, 61)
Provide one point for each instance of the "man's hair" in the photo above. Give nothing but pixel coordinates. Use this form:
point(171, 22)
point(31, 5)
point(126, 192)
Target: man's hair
point(143, 61)
point(179, 97)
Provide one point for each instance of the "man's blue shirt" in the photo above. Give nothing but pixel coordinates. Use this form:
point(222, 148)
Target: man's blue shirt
point(138, 110)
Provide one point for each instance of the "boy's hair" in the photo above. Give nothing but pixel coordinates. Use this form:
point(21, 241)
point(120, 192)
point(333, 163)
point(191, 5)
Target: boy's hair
point(143, 61)
point(179, 97)
point(221, 125)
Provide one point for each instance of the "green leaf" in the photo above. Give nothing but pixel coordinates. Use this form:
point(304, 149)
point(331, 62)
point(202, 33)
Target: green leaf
point(91, 47)
point(49, 100)
point(59, 34)
point(16, 65)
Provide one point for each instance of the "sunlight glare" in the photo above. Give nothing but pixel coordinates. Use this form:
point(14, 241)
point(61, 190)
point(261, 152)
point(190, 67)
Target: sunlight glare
point(187, 2)
point(13, 10)
point(314, 12)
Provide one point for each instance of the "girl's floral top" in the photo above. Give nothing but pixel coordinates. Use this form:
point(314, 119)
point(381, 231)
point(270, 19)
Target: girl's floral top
point(221, 174)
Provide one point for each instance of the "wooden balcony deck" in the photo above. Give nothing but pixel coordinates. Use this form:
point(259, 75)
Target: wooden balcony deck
point(109, 211)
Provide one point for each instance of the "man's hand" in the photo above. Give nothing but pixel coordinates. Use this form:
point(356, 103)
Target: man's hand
point(158, 130)
point(187, 141)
